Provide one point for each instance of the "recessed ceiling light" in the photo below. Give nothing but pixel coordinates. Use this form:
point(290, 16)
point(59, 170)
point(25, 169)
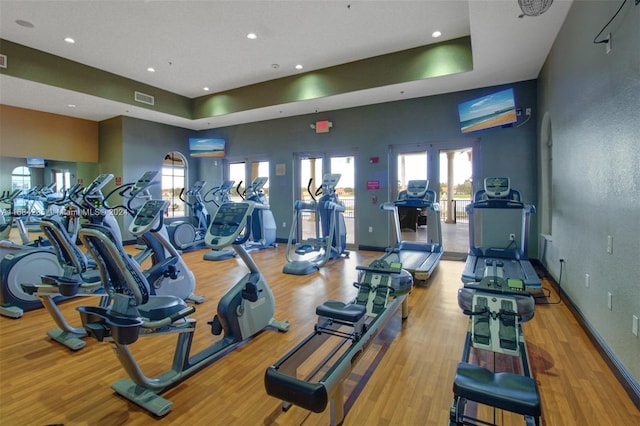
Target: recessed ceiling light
point(206, 89)
point(298, 67)
point(24, 23)
point(252, 36)
point(71, 105)
point(69, 40)
point(436, 34)
point(151, 69)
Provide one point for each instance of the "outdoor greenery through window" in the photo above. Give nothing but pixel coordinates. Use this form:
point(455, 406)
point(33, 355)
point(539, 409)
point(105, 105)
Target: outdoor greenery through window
point(174, 172)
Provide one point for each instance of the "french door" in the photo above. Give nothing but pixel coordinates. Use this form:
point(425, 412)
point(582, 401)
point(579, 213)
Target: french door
point(310, 168)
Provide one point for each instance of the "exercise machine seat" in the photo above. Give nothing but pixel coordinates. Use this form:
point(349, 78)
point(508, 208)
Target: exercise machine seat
point(350, 312)
point(506, 391)
point(160, 307)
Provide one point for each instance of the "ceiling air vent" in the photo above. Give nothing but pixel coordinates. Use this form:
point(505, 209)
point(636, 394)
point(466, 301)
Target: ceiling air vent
point(3, 61)
point(144, 98)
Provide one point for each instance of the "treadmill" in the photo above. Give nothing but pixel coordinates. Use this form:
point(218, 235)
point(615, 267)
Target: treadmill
point(419, 258)
point(498, 234)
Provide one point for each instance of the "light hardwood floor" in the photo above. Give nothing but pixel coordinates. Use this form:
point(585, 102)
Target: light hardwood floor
point(408, 371)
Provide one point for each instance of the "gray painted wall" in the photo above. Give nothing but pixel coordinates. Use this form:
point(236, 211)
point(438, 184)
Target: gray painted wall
point(431, 122)
point(145, 145)
point(592, 102)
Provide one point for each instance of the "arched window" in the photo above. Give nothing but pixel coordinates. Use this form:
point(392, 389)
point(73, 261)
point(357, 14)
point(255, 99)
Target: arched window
point(21, 178)
point(174, 178)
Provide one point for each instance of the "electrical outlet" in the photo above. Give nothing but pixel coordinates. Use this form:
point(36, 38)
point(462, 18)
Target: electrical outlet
point(512, 237)
point(610, 301)
point(634, 325)
point(528, 111)
point(284, 224)
point(371, 229)
point(587, 280)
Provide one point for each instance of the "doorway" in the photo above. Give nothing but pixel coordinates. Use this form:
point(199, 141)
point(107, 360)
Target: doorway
point(174, 180)
point(243, 173)
point(310, 170)
point(411, 165)
point(237, 174)
point(62, 179)
point(456, 193)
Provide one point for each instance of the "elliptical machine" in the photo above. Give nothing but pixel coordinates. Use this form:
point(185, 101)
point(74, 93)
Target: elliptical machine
point(184, 235)
point(331, 233)
point(245, 309)
point(263, 225)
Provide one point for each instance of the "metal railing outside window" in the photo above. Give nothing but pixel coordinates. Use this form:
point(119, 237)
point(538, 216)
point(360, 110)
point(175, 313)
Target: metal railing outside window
point(459, 206)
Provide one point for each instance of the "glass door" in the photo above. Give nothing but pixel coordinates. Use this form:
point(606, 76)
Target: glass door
point(310, 173)
point(238, 175)
point(314, 166)
point(62, 179)
point(411, 165)
point(261, 169)
point(344, 165)
point(456, 193)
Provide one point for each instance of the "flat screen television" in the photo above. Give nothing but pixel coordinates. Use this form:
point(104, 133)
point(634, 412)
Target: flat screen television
point(206, 147)
point(35, 162)
point(494, 110)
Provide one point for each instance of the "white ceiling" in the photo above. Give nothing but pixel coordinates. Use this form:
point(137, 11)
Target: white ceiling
point(193, 44)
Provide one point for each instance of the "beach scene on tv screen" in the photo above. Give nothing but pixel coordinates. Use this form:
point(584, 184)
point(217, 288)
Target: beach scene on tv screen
point(488, 111)
point(206, 147)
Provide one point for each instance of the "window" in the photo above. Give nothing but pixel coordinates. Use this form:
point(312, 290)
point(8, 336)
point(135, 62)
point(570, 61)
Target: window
point(237, 174)
point(174, 173)
point(261, 169)
point(63, 179)
point(21, 178)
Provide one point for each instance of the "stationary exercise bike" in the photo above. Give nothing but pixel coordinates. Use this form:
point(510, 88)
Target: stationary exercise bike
point(79, 275)
point(244, 310)
point(171, 274)
point(184, 235)
point(6, 217)
point(25, 264)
